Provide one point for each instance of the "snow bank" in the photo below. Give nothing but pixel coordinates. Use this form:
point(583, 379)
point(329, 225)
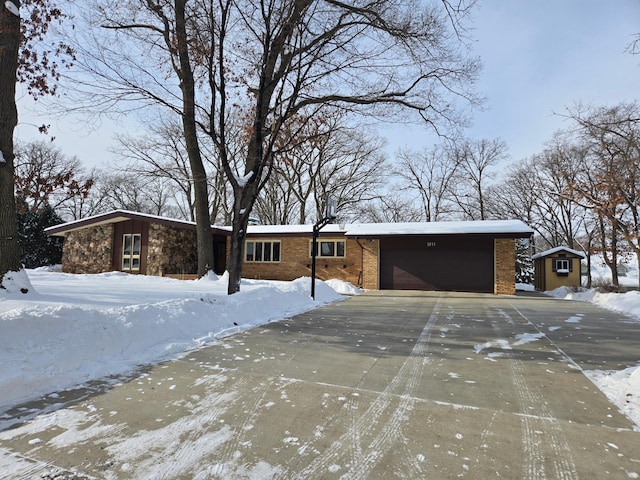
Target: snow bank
point(622, 388)
point(628, 303)
point(75, 328)
point(343, 288)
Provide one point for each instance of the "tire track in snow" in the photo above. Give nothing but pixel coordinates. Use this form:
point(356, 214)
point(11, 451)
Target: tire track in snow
point(402, 385)
point(247, 419)
point(540, 429)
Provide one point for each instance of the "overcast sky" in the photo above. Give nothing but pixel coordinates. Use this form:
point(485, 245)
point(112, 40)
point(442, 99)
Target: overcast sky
point(539, 57)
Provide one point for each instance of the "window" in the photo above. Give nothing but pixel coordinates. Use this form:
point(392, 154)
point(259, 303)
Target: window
point(562, 266)
point(262, 251)
point(329, 249)
point(131, 243)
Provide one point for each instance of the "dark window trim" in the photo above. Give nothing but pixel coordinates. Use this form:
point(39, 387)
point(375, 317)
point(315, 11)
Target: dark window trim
point(335, 248)
point(273, 252)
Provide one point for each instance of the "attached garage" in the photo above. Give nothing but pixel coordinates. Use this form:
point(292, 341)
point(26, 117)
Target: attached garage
point(463, 264)
point(475, 256)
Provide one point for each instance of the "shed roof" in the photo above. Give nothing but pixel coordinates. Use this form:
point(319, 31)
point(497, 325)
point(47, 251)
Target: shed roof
point(551, 251)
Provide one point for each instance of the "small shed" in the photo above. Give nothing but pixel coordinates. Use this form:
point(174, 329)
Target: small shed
point(558, 267)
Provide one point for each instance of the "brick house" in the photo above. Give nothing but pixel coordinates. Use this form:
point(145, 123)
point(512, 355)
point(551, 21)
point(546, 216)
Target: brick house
point(476, 256)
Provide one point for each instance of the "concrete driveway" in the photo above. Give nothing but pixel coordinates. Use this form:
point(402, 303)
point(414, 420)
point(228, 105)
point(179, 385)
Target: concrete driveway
point(384, 385)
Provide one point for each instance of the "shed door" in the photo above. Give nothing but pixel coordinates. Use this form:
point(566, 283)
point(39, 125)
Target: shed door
point(440, 264)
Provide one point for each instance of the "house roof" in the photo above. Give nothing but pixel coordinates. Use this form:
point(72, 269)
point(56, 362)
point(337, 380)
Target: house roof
point(506, 228)
point(292, 230)
point(116, 216)
point(551, 251)
point(509, 228)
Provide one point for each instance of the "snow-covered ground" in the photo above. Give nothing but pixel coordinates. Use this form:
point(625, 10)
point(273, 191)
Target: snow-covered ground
point(71, 329)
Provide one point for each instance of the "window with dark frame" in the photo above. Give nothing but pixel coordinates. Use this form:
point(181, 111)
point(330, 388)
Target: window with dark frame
point(329, 249)
point(562, 266)
point(262, 251)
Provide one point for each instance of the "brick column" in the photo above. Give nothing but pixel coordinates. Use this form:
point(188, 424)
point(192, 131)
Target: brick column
point(505, 266)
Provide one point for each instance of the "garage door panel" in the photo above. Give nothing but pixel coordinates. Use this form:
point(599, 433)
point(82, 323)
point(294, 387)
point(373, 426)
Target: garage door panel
point(437, 269)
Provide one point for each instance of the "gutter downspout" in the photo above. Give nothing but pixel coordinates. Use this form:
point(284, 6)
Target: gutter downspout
point(361, 273)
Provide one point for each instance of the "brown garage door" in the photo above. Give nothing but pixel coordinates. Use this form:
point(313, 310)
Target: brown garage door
point(453, 264)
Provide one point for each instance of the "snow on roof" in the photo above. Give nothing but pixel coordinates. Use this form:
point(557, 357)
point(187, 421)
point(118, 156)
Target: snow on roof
point(509, 227)
point(291, 229)
point(440, 228)
point(551, 251)
point(415, 228)
point(117, 216)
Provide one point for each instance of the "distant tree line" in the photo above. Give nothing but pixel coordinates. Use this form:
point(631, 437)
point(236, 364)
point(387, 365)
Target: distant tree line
point(261, 109)
point(582, 190)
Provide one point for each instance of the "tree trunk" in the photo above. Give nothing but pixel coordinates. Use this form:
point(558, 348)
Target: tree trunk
point(242, 204)
point(203, 220)
point(9, 43)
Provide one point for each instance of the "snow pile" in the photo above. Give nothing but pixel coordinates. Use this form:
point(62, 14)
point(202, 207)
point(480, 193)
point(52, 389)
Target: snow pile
point(15, 282)
point(70, 329)
point(622, 388)
point(628, 303)
point(343, 288)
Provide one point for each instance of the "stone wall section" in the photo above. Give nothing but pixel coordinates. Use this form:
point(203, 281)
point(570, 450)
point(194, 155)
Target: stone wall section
point(505, 266)
point(89, 250)
point(295, 261)
point(171, 251)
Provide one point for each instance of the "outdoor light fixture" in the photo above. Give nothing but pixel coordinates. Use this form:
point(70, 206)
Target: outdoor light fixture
point(329, 216)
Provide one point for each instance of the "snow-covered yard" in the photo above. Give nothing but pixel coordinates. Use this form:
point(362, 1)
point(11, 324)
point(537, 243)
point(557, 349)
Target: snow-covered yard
point(71, 329)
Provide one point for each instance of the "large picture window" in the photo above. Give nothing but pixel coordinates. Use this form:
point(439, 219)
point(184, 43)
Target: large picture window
point(261, 251)
point(329, 249)
point(131, 244)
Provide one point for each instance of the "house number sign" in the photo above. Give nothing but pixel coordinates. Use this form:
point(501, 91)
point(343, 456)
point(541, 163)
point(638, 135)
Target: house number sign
point(431, 244)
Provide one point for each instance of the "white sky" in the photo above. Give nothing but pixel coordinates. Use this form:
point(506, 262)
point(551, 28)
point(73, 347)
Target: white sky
point(539, 57)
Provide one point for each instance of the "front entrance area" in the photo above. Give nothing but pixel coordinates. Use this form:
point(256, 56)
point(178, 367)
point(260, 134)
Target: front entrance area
point(130, 246)
point(443, 263)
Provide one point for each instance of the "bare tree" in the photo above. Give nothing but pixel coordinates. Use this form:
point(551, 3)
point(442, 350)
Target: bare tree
point(610, 181)
point(26, 56)
point(265, 63)
point(477, 161)
point(389, 208)
point(430, 175)
point(45, 176)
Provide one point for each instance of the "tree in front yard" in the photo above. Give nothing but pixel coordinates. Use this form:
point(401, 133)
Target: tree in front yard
point(25, 57)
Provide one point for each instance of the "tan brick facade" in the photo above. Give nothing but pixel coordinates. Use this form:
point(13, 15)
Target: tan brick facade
point(89, 250)
point(295, 261)
point(505, 266)
point(371, 264)
point(172, 251)
point(169, 249)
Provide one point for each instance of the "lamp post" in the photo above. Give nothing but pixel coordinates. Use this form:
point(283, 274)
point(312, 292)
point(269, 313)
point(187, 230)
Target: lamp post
point(329, 217)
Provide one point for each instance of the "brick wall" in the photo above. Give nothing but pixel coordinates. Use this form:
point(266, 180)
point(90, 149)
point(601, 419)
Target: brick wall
point(89, 250)
point(371, 260)
point(295, 262)
point(505, 266)
point(171, 251)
